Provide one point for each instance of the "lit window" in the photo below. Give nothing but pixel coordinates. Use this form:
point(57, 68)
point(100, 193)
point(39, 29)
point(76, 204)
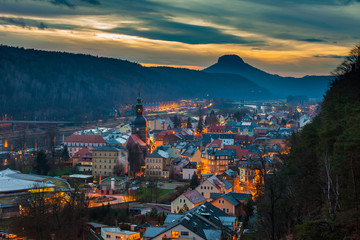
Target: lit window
point(174, 234)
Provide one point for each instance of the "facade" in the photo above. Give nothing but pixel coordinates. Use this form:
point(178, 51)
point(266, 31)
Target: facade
point(115, 233)
point(82, 160)
point(216, 161)
point(187, 201)
point(211, 185)
point(107, 158)
point(157, 165)
point(189, 170)
point(201, 223)
point(76, 142)
point(231, 203)
point(139, 123)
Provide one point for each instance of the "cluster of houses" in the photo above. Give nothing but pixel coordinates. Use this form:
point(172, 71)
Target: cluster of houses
point(227, 156)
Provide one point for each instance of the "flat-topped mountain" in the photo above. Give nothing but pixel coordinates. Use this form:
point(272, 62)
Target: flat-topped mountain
point(311, 86)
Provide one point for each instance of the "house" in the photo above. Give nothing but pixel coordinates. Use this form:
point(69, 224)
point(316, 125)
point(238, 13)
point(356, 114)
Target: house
point(157, 164)
point(232, 203)
point(115, 233)
point(212, 185)
point(158, 124)
point(201, 223)
point(107, 158)
point(227, 139)
point(186, 201)
point(216, 161)
point(82, 160)
point(189, 170)
point(76, 142)
point(177, 165)
point(189, 150)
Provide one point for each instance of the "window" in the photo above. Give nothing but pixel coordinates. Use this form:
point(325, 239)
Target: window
point(104, 154)
point(108, 236)
point(184, 233)
point(104, 160)
point(211, 188)
point(109, 160)
point(174, 234)
point(219, 201)
point(224, 209)
point(227, 210)
point(180, 200)
point(201, 187)
point(117, 238)
point(109, 154)
point(222, 201)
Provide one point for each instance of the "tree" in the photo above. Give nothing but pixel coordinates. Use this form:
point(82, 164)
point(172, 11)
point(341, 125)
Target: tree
point(200, 125)
point(177, 122)
point(119, 169)
point(194, 182)
point(65, 154)
point(135, 156)
point(41, 163)
point(189, 124)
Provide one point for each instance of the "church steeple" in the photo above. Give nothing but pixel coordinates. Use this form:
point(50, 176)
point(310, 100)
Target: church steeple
point(139, 124)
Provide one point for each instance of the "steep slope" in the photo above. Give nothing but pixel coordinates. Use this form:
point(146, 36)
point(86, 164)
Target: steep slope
point(311, 86)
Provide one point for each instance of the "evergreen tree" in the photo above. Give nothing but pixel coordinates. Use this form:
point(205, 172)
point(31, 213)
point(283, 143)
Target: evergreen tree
point(189, 125)
point(41, 163)
point(194, 182)
point(177, 122)
point(200, 125)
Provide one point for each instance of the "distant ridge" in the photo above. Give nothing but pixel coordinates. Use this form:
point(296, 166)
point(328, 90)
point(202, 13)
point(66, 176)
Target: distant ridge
point(39, 85)
point(311, 86)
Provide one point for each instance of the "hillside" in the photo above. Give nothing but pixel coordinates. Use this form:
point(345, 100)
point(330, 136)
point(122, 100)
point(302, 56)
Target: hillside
point(315, 193)
point(56, 85)
point(310, 86)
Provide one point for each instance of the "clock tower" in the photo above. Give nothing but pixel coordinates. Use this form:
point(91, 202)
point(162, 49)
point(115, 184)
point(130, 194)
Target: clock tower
point(139, 123)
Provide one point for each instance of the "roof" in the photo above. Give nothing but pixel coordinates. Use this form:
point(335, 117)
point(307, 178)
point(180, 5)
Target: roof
point(190, 165)
point(172, 217)
point(108, 148)
point(85, 139)
point(203, 220)
point(232, 197)
point(215, 181)
point(83, 151)
point(154, 155)
point(134, 139)
point(96, 225)
point(117, 230)
point(194, 196)
point(215, 144)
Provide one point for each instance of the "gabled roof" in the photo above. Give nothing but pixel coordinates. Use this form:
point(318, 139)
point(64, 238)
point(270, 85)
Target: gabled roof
point(190, 165)
point(232, 197)
point(85, 139)
point(205, 220)
point(194, 196)
point(134, 139)
point(215, 144)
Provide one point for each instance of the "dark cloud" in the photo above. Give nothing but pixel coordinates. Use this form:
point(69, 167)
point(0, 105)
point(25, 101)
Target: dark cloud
point(186, 33)
point(313, 40)
point(93, 2)
point(329, 56)
point(73, 3)
point(24, 23)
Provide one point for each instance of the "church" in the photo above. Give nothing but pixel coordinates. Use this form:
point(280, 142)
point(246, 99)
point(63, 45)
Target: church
point(139, 130)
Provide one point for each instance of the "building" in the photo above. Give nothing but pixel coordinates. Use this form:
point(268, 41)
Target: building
point(157, 165)
point(82, 160)
point(212, 185)
point(76, 142)
point(201, 223)
point(115, 233)
point(187, 201)
point(139, 123)
point(189, 170)
point(216, 161)
point(107, 158)
point(231, 203)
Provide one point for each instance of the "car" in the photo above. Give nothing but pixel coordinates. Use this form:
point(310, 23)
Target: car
point(170, 181)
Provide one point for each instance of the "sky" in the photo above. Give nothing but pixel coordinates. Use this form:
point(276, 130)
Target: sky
point(285, 37)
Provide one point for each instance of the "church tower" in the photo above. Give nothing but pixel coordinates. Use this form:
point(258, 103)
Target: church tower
point(139, 123)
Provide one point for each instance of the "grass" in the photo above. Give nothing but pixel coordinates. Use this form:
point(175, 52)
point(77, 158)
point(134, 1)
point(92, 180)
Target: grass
point(146, 195)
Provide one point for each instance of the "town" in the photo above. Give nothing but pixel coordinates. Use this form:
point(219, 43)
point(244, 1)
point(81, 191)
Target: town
point(188, 170)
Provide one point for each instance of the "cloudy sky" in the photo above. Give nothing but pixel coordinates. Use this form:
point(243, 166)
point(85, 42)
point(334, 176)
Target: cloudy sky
point(287, 37)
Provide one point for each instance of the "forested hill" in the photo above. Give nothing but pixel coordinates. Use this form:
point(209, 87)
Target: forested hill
point(317, 190)
point(56, 85)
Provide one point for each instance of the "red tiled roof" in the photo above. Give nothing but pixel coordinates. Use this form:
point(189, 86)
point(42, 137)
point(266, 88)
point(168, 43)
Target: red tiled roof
point(134, 139)
point(238, 151)
point(194, 196)
point(84, 151)
point(85, 139)
point(215, 144)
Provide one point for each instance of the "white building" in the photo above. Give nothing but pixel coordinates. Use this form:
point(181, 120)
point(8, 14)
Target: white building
point(115, 233)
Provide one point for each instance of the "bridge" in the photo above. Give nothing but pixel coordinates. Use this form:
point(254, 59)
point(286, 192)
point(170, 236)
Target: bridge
point(16, 122)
